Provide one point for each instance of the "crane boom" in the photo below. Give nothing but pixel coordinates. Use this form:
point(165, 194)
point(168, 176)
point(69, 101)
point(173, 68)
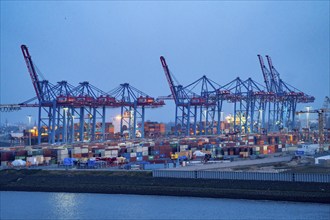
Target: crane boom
point(33, 73)
point(169, 79)
point(274, 74)
point(265, 73)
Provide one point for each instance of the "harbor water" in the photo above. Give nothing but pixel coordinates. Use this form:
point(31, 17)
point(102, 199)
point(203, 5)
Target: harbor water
point(44, 205)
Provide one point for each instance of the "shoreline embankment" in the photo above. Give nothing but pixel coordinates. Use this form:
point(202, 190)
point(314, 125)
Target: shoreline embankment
point(142, 183)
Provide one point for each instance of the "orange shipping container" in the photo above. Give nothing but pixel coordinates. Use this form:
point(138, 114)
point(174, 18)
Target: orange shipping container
point(76, 155)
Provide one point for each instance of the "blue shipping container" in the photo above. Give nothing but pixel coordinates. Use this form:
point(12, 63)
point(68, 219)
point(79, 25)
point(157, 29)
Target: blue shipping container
point(153, 166)
point(156, 152)
point(126, 155)
point(298, 152)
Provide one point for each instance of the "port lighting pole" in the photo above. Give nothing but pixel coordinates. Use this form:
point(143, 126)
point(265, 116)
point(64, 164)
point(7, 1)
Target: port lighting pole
point(64, 131)
point(308, 108)
point(72, 134)
point(307, 117)
point(29, 125)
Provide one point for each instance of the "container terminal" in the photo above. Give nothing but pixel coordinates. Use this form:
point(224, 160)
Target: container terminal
point(72, 130)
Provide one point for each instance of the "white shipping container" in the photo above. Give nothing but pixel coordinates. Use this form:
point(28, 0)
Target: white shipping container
point(183, 149)
point(131, 150)
point(108, 152)
point(84, 150)
point(133, 155)
point(144, 148)
point(61, 157)
point(76, 151)
point(145, 153)
point(63, 154)
point(62, 151)
point(32, 160)
point(138, 149)
point(152, 144)
point(47, 159)
point(40, 159)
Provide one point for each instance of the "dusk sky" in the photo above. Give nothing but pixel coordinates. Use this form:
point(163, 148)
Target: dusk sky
point(109, 43)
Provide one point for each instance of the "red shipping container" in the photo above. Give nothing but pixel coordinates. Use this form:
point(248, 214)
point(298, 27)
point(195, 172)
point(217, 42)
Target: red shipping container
point(47, 152)
point(7, 156)
point(21, 153)
point(85, 155)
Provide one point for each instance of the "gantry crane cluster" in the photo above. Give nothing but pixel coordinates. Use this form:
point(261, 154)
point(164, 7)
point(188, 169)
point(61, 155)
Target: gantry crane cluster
point(198, 106)
point(62, 105)
point(257, 108)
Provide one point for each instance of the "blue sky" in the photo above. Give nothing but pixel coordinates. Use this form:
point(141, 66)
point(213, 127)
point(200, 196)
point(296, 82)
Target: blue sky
point(108, 43)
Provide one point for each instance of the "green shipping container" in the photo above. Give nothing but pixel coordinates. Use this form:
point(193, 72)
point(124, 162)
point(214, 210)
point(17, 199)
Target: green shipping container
point(20, 158)
point(151, 157)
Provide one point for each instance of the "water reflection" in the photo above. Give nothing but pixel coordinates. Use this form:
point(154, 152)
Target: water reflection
point(42, 206)
point(65, 205)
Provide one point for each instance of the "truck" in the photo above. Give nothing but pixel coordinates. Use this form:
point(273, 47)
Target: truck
point(307, 149)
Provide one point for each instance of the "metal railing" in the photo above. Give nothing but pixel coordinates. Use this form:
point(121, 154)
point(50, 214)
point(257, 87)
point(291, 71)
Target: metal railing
point(288, 177)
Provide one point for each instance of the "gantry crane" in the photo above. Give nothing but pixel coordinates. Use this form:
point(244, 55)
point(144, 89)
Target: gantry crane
point(183, 113)
point(272, 104)
point(248, 98)
point(204, 106)
point(195, 106)
point(321, 120)
point(281, 108)
point(132, 103)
